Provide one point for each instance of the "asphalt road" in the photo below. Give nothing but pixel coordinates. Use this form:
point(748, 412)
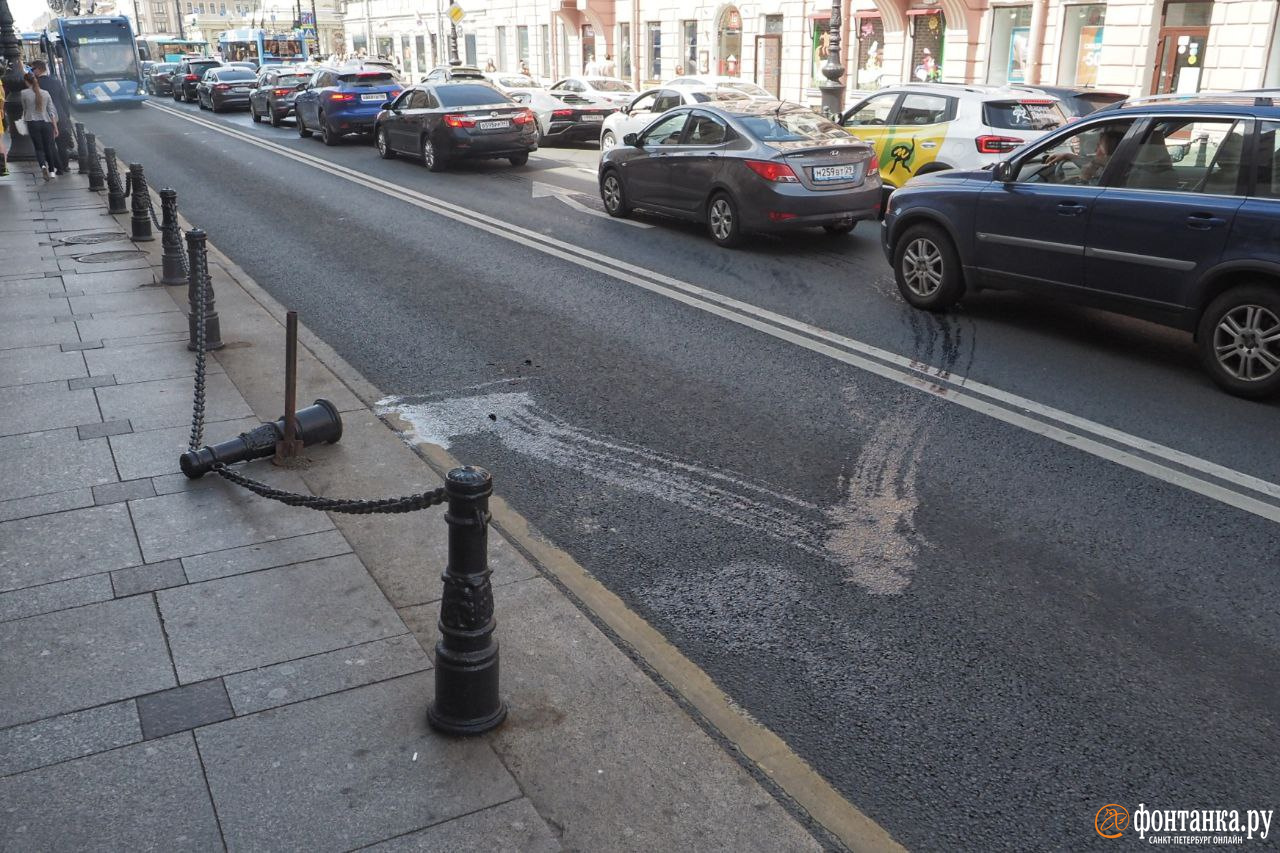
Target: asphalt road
point(985, 572)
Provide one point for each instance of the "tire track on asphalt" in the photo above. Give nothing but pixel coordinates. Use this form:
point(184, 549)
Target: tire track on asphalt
point(1225, 485)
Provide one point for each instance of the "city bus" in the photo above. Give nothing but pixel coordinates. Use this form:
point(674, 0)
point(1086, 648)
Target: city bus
point(262, 47)
point(96, 59)
point(170, 48)
point(31, 47)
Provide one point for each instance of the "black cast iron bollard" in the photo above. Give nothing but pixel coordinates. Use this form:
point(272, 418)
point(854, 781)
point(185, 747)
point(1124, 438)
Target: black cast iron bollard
point(141, 219)
point(467, 700)
point(115, 192)
point(317, 423)
point(199, 285)
point(96, 182)
point(82, 159)
point(170, 239)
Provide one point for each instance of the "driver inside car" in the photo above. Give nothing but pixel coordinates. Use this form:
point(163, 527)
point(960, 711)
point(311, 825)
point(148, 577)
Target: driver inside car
point(1091, 172)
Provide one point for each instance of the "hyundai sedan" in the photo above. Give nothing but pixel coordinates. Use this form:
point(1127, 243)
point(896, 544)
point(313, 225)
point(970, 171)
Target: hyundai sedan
point(743, 167)
point(443, 122)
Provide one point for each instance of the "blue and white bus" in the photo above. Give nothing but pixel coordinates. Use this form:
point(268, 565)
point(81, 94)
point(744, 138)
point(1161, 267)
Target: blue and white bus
point(97, 59)
point(261, 47)
point(170, 49)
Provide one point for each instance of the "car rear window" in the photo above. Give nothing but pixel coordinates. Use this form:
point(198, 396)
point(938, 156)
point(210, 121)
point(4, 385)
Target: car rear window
point(1023, 115)
point(204, 66)
point(1098, 100)
point(367, 78)
point(292, 79)
point(470, 94)
point(719, 95)
point(791, 126)
point(606, 85)
point(235, 74)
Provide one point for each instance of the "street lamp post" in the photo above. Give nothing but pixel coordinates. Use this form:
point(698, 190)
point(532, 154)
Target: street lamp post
point(833, 69)
point(10, 49)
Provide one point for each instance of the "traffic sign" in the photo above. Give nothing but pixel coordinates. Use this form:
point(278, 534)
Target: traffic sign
point(455, 13)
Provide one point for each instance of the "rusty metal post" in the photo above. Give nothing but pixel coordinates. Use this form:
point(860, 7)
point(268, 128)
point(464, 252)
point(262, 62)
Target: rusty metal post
point(96, 181)
point(171, 259)
point(141, 218)
point(289, 445)
point(82, 158)
point(200, 288)
point(115, 192)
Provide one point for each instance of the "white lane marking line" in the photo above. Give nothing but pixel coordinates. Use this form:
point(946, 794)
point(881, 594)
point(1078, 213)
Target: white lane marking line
point(926, 378)
point(541, 190)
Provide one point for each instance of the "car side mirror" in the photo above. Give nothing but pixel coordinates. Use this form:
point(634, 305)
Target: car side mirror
point(631, 139)
point(1002, 171)
point(386, 105)
point(300, 86)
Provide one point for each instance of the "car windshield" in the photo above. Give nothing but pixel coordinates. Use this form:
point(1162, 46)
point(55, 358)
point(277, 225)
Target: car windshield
point(795, 125)
point(367, 78)
point(749, 88)
point(470, 95)
point(101, 51)
point(1023, 115)
point(609, 85)
point(231, 74)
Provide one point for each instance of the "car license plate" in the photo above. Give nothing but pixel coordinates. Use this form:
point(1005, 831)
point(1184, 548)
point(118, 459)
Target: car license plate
point(493, 125)
point(831, 174)
point(239, 88)
point(593, 117)
point(379, 98)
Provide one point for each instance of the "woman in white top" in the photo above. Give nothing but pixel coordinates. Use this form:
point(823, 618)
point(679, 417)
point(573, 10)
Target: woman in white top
point(42, 123)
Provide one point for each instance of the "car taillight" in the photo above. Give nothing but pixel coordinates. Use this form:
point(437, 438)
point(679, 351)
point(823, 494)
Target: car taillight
point(523, 117)
point(455, 120)
point(340, 96)
point(561, 113)
point(996, 144)
point(280, 93)
point(221, 87)
point(874, 165)
point(769, 170)
point(191, 78)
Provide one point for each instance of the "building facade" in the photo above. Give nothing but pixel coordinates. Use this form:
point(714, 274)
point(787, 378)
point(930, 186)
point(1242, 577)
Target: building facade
point(1133, 46)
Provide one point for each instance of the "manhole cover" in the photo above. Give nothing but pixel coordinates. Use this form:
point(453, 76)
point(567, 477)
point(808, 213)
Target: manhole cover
point(108, 257)
point(88, 239)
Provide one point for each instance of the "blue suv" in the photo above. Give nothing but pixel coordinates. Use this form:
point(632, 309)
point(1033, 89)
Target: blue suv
point(337, 102)
point(1168, 212)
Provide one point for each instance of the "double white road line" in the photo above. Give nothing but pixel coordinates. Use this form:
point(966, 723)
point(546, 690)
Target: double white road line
point(1226, 485)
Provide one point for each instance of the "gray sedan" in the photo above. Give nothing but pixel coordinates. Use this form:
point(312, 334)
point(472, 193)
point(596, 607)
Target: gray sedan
point(743, 167)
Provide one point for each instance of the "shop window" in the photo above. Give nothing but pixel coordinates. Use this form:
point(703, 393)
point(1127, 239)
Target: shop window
point(729, 32)
point(1081, 45)
point(654, 40)
point(501, 38)
point(624, 51)
point(1192, 13)
point(869, 70)
point(926, 46)
point(1010, 42)
point(689, 46)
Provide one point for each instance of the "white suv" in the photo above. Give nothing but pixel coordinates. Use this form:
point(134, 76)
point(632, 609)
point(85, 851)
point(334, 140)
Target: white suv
point(918, 128)
point(635, 116)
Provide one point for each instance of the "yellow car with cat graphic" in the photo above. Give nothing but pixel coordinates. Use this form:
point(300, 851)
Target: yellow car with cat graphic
point(918, 128)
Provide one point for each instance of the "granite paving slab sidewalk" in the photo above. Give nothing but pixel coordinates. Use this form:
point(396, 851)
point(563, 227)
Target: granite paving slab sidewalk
point(185, 666)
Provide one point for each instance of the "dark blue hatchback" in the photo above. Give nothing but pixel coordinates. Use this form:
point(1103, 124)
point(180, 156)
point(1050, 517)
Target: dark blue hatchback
point(1168, 212)
point(338, 102)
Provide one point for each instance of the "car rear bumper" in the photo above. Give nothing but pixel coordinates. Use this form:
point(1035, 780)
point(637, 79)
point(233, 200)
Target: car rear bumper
point(462, 144)
point(229, 100)
point(785, 207)
point(574, 131)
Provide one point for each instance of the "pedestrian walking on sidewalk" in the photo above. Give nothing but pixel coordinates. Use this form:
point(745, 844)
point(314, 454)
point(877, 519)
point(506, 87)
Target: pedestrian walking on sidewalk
point(54, 88)
point(41, 117)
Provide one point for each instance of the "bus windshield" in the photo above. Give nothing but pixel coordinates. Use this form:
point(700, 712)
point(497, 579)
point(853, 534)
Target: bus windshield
point(101, 52)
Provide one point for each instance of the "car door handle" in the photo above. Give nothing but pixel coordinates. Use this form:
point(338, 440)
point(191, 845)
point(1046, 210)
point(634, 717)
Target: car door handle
point(1070, 208)
point(1204, 221)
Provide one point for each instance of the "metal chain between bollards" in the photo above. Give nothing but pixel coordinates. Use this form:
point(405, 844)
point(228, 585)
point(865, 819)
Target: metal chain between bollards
point(354, 506)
